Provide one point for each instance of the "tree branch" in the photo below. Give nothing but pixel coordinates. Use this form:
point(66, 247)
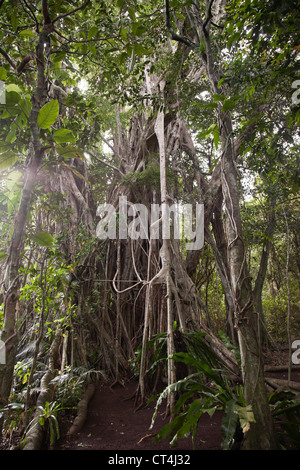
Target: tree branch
point(104, 162)
point(46, 13)
point(172, 33)
point(6, 56)
point(208, 14)
point(71, 12)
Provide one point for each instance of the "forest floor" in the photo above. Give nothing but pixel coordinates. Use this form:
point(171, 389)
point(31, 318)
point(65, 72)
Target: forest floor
point(114, 422)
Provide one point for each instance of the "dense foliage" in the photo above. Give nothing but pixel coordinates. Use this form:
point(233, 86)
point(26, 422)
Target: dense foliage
point(88, 88)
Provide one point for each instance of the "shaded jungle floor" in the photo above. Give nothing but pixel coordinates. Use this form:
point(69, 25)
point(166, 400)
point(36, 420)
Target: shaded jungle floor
point(114, 423)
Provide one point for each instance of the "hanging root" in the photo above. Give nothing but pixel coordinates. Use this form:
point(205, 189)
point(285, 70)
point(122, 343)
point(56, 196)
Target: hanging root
point(82, 409)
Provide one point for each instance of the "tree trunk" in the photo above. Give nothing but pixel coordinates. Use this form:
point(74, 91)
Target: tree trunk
point(35, 434)
point(261, 434)
point(11, 281)
point(165, 273)
point(263, 266)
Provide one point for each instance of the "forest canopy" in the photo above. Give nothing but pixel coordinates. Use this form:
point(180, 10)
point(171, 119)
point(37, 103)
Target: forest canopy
point(192, 104)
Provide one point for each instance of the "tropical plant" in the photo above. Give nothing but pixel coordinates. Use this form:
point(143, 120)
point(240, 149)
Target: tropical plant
point(14, 418)
point(285, 406)
point(48, 418)
point(206, 390)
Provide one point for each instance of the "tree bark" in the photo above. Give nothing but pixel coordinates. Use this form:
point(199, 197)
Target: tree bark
point(82, 409)
point(11, 280)
point(35, 434)
point(263, 266)
point(261, 434)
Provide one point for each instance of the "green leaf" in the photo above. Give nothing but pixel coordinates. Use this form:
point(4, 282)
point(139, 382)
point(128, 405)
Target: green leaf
point(92, 32)
point(233, 39)
point(69, 152)
point(140, 50)
point(48, 114)
point(229, 104)
point(229, 423)
point(11, 136)
point(2, 255)
point(218, 97)
point(131, 12)
point(14, 21)
point(207, 131)
point(12, 98)
point(92, 48)
point(3, 73)
point(7, 160)
point(216, 137)
point(58, 56)
point(43, 239)
point(27, 33)
point(138, 29)
point(63, 135)
point(210, 105)
point(124, 33)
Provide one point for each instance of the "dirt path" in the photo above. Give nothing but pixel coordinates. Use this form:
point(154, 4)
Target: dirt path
point(113, 424)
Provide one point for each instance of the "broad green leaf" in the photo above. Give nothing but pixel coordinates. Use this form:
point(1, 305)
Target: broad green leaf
point(14, 21)
point(229, 423)
point(58, 56)
point(11, 136)
point(43, 239)
point(12, 98)
point(92, 48)
point(207, 132)
point(25, 105)
point(229, 104)
point(7, 160)
point(13, 179)
point(217, 97)
point(140, 50)
point(129, 50)
point(233, 39)
point(209, 105)
point(5, 114)
point(246, 416)
point(3, 73)
point(138, 29)
point(69, 152)
point(131, 12)
point(2, 255)
point(63, 135)
point(216, 137)
point(83, 48)
point(48, 114)
point(28, 33)
point(92, 32)
point(124, 33)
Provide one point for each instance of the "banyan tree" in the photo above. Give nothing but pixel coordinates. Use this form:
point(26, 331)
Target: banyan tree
point(110, 289)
